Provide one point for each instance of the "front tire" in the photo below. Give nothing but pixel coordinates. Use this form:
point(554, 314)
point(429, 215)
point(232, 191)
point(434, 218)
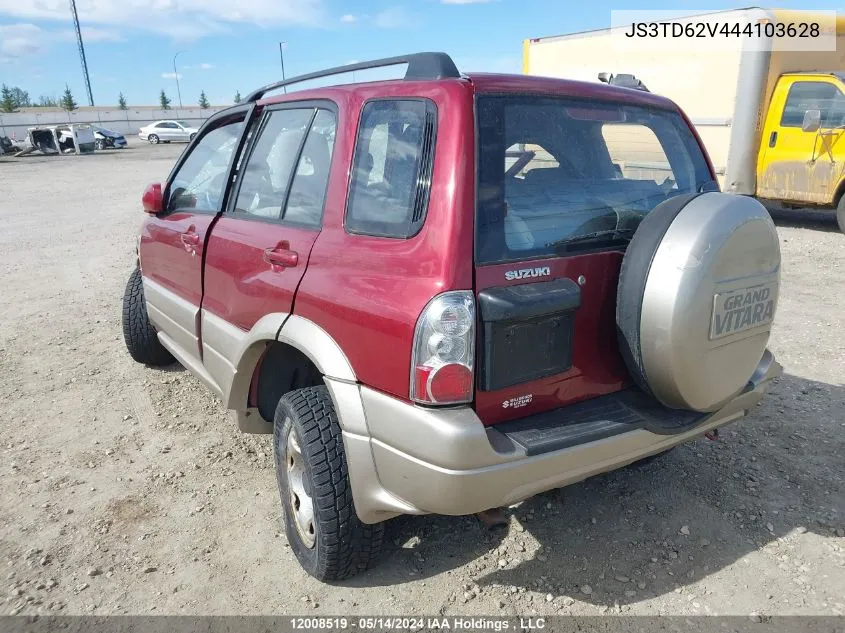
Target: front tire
point(140, 337)
point(153, 139)
point(192, 137)
point(840, 213)
point(327, 537)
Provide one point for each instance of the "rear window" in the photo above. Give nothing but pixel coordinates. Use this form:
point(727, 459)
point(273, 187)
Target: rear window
point(553, 169)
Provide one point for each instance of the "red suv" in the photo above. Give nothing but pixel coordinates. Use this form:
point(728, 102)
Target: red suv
point(447, 293)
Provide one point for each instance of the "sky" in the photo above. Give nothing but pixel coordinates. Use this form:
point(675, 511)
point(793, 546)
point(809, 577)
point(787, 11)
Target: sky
point(229, 46)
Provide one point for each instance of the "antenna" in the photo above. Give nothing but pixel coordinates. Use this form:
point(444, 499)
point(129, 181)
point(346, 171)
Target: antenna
point(81, 52)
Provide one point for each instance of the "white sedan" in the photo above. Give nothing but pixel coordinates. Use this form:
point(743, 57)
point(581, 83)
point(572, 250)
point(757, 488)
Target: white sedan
point(166, 131)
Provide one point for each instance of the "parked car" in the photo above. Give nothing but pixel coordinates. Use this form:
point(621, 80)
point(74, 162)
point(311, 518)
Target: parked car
point(773, 123)
point(108, 139)
point(167, 131)
point(440, 296)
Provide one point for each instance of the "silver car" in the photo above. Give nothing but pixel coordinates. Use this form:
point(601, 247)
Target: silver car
point(166, 131)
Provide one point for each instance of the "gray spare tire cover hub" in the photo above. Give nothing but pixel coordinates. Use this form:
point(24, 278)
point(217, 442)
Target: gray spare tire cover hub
point(696, 299)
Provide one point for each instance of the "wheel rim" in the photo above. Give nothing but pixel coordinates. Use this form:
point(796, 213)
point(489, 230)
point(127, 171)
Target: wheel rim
point(153, 139)
point(301, 504)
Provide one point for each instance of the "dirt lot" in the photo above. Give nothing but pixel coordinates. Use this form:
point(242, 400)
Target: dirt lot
point(128, 490)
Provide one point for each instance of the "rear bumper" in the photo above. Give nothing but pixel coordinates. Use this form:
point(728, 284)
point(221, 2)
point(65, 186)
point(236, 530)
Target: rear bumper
point(405, 459)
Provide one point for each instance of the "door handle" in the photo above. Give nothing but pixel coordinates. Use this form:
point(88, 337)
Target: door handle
point(190, 239)
point(282, 256)
point(773, 138)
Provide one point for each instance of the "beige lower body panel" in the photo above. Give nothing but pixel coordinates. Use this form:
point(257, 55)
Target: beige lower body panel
point(173, 316)
point(406, 461)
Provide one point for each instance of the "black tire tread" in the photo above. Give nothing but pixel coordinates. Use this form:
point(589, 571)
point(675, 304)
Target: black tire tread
point(840, 213)
point(140, 337)
point(345, 546)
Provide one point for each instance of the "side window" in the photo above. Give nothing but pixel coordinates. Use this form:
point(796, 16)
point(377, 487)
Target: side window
point(308, 190)
point(162, 125)
point(814, 95)
point(636, 153)
point(268, 169)
point(201, 180)
point(391, 173)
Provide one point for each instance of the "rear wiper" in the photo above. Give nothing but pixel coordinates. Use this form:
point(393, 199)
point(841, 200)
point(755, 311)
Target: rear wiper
point(614, 235)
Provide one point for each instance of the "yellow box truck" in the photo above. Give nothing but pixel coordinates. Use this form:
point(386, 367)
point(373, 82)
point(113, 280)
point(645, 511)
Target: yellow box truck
point(772, 119)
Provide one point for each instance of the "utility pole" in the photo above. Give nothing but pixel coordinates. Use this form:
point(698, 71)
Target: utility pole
point(81, 52)
point(176, 77)
point(282, 57)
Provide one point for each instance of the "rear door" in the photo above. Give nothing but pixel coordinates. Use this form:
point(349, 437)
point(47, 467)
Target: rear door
point(552, 172)
point(173, 243)
point(259, 249)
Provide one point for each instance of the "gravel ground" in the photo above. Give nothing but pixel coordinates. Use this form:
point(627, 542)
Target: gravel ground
point(128, 490)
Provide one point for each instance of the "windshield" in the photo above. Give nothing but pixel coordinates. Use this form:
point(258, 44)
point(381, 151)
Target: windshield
point(552, 171)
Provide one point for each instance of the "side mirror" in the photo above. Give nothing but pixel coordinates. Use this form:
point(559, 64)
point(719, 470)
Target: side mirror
point(812, 121)
point(152, 200)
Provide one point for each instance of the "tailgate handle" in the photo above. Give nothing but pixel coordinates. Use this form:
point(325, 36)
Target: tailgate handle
point(773, 138)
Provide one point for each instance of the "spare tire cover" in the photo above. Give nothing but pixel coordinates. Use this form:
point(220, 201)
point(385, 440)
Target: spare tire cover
point(697, 295)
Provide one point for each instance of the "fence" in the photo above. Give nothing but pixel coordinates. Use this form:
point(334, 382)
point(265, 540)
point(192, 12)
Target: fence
point(124, 121)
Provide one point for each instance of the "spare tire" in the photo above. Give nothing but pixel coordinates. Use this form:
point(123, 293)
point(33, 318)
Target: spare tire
point(696, 298)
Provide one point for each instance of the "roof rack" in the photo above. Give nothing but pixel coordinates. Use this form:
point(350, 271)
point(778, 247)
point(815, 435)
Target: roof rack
point(421, 66)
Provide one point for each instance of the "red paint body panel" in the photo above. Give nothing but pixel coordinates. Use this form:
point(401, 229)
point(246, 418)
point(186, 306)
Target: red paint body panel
point(597, 367)
point(367, 292)
point(240, 285)
point(169, 261)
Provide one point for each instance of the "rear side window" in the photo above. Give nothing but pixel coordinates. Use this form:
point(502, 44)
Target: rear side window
point(391, 174)
point(287, 173)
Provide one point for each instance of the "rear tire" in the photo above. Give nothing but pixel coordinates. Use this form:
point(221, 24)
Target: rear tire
point(153, 139)
point(323, 530)
point(840, 213)
point(140, 337)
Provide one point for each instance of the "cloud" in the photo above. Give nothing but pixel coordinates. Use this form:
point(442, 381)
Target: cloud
point(203, 66)
point(20, 40)
point(25, 40)
point(182, 19)
point(171, 75)
point(93, 34)
point(393, 18)
point(349, 18)
point(206, 66)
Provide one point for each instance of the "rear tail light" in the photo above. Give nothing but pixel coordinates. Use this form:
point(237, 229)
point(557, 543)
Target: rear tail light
point(444, 350)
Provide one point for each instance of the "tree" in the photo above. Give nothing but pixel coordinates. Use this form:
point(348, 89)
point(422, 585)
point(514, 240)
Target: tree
point(13, 98)
point(46, 101)
point(238, 97)
point(7, 99)
point(21, 97)
point(203, 102)
point(67, 101)
point(164, 100)
point(121, 102)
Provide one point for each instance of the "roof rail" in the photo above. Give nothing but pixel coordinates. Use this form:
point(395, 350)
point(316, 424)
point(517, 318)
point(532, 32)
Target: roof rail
point(421, 66)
